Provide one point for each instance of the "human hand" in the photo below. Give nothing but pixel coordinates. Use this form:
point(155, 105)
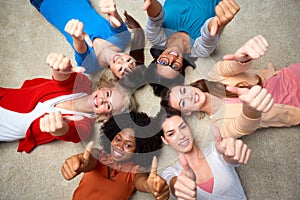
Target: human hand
point(75, 28)
point(54, 123)
point(62, 64)
point(109, 7)
point(76, 163)
point(147, 4)
point(256, 98)
point(185, 186)
point(158, 186)
point(225, 12)
point(253, 49)
point(234, 151)
point(130, 21)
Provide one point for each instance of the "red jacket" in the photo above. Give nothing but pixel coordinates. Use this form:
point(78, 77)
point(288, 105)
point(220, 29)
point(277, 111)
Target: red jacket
point(24, 100)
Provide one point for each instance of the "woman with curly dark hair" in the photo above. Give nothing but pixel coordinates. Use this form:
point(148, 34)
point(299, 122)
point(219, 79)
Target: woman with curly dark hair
point(118, 170)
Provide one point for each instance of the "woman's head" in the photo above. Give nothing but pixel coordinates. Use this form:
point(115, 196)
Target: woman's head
point(176, 132)
point(128, 136)
point(186, 99)
point(122, 64)
point(108, 101)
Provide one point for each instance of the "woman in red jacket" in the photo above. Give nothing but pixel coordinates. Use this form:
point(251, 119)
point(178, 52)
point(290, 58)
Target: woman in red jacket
point(62, 108)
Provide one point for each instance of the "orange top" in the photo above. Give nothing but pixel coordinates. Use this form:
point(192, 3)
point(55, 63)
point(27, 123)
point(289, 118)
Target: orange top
point(99, 184)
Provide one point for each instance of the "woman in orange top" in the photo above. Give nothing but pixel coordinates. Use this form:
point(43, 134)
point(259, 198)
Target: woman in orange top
point(117, 175)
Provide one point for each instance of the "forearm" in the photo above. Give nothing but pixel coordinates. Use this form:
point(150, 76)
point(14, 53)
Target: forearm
point(154, 9)
point(140, 182)
point(79, 45)
point(229, 68)
point(205, 44)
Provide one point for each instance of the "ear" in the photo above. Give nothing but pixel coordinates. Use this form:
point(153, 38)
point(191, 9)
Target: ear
point(187, 112)
point(164, 140)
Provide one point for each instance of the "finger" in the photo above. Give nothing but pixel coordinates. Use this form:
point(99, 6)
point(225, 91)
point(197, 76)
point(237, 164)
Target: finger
point(248, 154)
point(243, 153)
point(58, 119)
point(229, 57)
point(186, 168)
point(52, 122)
point(264, 103)
point(78, 69)
point(269, 106)
point(88, 40)
point(115, 21)
point(42, 124)
point(237, 90)
point(46, 123)
point(214, 26)
point(154, 165)
point(238, 149)
point(67, 171)
point(230, 147)
point(87, 151)
point(147, 4)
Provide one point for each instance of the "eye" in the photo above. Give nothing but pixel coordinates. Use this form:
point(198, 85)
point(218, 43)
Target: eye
point(163, 61)
point(107, 94)
point(183, 126)
point(128, 60)
point(182, 104)
point(108, 106)
point(120, 69)
point(170, 133)
point(128, 146)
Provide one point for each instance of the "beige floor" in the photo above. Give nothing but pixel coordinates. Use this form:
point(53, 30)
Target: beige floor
point(26, 39)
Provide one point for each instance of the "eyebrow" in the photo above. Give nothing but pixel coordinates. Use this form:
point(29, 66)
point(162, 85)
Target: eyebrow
point(181, 124)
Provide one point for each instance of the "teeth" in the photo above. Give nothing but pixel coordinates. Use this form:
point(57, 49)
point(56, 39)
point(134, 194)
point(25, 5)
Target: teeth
point(174, 53)
point(196, 96)
point(184, 143)
point(117, 154)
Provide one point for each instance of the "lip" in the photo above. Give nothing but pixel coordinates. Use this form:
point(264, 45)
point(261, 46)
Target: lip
point(196, 97)
point(115, 57)
point(117, 154)
point(95, 102)
point(174, 53)
point(184, 143)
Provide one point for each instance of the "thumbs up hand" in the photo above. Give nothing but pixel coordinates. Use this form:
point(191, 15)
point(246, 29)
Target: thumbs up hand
point(255, 98)
point(158, 186)
point(77, 163)
point(185, 186)
point(233, 150)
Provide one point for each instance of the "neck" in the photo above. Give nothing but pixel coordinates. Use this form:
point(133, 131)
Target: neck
point(104, 51)
point(181, 41)
point(212, 104)
point(83, 104)
point(194, 155)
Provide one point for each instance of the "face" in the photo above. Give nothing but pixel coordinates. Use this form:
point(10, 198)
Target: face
point(107, 101)
point(123, 145)
point(169, 64)
point(122, 64)
point(177, 134)
point(187, 99)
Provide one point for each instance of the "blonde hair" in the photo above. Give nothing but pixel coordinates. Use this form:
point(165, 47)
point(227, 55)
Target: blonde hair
point(128, 100)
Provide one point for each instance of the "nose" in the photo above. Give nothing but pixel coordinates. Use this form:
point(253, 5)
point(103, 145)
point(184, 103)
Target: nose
point(120, 145)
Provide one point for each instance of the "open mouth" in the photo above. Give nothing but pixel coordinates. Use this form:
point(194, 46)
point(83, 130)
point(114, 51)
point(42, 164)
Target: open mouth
point(117, 154)
point(95, 101)
point(115, 58)
point(196, 97)
point(174, 53)
point(184, 143)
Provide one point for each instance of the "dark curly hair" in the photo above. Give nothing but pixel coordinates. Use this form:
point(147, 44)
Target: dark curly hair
point(147, 137)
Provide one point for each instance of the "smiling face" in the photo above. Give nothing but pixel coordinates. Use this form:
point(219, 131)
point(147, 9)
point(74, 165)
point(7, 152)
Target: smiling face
point(169, 63)
point(187, 99)
point(123, 145)
point(177, 134)
point(122, 64)
point(107, 101)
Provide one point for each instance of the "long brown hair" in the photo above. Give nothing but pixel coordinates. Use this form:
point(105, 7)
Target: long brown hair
point(215, 88)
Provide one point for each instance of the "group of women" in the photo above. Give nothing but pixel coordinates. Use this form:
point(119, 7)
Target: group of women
point(238, 100)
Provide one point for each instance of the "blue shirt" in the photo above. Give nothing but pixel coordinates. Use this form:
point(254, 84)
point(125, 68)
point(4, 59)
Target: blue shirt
point(59, 12)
